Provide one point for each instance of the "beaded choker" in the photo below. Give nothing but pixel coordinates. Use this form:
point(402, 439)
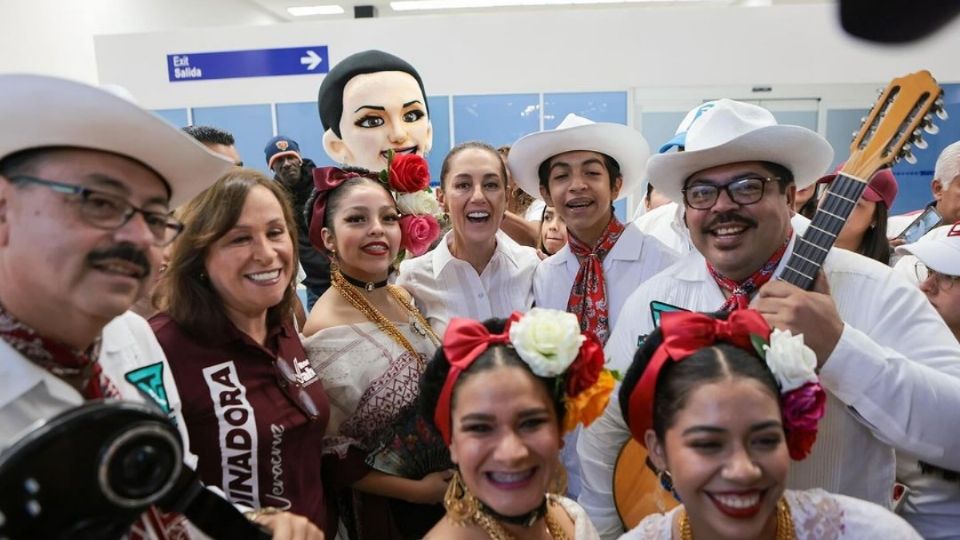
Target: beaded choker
point(365, 285)
point(524, 520)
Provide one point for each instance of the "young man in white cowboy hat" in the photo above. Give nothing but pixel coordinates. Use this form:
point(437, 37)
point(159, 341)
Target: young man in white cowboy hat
point(890, 367)
point(931, 500)
point(87, 180)
point(580, 168)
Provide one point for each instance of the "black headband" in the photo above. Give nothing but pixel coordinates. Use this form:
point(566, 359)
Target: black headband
point(330, 97)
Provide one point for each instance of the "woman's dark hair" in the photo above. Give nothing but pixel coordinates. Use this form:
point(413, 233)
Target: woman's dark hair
point(611, 164)
point(185, 291)
point(874, 243)
point(334, 198)
point(497, 355)
point(677, 380)
point(478, 145)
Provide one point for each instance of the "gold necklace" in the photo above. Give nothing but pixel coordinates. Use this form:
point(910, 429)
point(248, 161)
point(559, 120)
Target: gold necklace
point(496, 531)
point(352, 294)
point(784, 523)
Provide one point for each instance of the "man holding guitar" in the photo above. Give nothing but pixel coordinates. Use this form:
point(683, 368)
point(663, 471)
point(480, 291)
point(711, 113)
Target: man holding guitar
point(889, 364)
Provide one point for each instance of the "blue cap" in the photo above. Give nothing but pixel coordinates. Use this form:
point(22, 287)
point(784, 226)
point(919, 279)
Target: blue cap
point(679, 140)
point(279, 147)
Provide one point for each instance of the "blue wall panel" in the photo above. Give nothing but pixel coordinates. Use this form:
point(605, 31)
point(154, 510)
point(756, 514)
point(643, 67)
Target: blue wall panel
point(251, 126)
point(495, 119)
point(177, 117)
point(440, 120)
point(597, 106)
point(301, 122)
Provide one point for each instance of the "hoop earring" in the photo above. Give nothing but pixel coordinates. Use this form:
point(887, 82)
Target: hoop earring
point(460, 504)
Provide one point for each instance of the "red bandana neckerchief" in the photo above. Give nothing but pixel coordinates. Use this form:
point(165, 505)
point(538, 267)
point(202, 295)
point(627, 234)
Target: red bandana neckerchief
point(57, 358)
point(588, 296)
point(741, 291)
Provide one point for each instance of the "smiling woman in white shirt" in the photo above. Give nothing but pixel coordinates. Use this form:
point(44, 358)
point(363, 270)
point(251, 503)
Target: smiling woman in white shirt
point(476, 271)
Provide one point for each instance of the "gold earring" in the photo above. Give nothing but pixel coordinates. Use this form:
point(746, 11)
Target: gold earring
point(461, 505)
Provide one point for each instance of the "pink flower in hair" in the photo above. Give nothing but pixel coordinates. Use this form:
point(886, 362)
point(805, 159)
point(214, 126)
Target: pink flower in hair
point(802, 410)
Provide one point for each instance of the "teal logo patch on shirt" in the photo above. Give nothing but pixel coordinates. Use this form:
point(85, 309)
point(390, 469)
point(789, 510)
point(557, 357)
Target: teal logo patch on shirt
point(149, 381)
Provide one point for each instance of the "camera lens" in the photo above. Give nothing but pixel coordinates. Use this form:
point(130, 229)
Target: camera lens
point(140, 466)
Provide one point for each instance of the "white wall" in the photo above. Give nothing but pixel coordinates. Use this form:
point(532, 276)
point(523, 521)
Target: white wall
point(55, 37)
point(562, 50)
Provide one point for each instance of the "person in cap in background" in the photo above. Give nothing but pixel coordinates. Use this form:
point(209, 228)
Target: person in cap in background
point(295, 173)
point(86, 186)
point(866, 229)
point(877, 341)
point(217, 141)
point(522, 219)
point(946, 193)
point(931, 498)
point(370, 103)
point(580, 168)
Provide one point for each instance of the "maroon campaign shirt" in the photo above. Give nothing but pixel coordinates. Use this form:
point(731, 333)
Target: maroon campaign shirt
point(252, 440)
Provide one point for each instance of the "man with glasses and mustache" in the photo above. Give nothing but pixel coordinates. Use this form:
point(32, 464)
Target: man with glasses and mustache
point(889, 365)
point(87, 182)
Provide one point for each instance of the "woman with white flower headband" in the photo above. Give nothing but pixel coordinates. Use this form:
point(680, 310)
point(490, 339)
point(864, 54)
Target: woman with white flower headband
point(722, 407)
point(369, 344)
point(476, 271)
point(501, 394)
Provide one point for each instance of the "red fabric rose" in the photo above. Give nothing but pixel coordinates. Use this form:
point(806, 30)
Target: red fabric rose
point(802, 410)
point(409, 173)
point(585, 370)
point(418, 232)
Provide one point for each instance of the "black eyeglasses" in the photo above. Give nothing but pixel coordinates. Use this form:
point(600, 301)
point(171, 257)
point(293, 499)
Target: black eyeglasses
point(944, 282)
point(300, 383)
point(107, 211)
point(744, 191)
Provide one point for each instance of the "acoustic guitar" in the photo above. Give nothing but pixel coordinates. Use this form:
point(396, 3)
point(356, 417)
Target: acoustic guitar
point(889, 133)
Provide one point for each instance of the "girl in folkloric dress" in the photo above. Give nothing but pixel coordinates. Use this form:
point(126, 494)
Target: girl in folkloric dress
point(369, 345)
point(502, 395)
point(721, 414)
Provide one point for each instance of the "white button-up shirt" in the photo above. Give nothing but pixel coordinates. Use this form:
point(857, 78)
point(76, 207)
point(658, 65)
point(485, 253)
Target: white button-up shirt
point(445, 286)
point(893, 379)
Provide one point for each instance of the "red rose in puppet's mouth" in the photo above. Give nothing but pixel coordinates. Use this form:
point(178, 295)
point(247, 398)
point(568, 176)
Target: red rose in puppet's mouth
point(418, 232)
point(409, 173)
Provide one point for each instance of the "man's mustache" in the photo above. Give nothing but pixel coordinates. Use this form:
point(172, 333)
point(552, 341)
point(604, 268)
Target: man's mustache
point(729, 218)
point(124, 252)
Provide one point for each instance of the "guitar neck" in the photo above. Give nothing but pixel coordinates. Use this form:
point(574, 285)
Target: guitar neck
point(811, 249)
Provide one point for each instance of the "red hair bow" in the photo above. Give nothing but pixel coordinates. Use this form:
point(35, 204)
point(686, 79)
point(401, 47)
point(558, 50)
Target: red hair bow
point(684, 333)
point(463, 342)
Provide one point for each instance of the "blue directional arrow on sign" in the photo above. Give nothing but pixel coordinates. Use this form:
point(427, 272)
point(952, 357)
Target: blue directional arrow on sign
point(253, 63)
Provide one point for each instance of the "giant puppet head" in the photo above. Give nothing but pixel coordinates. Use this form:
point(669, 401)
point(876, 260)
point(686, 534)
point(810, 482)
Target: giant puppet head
point(372, 102)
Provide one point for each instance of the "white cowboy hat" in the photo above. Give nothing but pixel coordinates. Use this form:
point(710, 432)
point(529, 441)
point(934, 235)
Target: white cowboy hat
point(729, 132)
point(939, 249)
point(40, 111)
point(622, 143)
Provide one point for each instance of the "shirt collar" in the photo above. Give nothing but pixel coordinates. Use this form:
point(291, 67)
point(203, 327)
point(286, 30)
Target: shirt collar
point(442, 255)
point(18, 375)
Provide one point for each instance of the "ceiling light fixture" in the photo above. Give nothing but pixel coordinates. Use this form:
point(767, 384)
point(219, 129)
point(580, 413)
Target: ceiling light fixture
point(308, 11)
point(419, 5)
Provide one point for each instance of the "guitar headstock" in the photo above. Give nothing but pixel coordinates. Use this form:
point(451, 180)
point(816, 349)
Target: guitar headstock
point(895, 125)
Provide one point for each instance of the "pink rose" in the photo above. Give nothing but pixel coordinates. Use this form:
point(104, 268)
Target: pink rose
point(802, 410)
point(409, 173)
point(418, 232)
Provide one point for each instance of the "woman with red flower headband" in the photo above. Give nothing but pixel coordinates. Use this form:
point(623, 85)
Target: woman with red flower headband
point(722, 406)
point(501, 395)
point(369, 344)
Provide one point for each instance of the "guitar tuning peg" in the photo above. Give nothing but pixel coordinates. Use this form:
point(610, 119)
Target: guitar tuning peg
point(906, 149)
point(910, 158)
point(919, 143)
point(942, 113)
point(931, 128)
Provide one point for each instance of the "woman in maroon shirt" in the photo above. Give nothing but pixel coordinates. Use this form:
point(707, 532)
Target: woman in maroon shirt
point(255, 410)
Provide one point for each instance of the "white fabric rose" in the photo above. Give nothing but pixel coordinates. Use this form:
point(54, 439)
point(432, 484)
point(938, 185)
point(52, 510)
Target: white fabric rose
point(791, 362)
point(548, 340)
point(418, 202)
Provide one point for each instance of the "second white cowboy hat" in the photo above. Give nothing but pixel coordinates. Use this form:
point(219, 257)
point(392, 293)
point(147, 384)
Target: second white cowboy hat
point(730, 132)
point(622, 143)
point(40, 111)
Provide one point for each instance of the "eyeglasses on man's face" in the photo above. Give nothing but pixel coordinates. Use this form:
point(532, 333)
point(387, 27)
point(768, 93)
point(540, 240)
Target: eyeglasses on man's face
point(743, 191)
point(944, 282)
point(107, 211)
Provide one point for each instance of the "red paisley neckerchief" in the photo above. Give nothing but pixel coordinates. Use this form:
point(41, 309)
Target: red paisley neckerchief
point(741, 291)
point(56, 357)
point(588, 296)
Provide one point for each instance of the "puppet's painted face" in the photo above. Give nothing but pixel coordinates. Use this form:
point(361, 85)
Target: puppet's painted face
point(381, 111)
